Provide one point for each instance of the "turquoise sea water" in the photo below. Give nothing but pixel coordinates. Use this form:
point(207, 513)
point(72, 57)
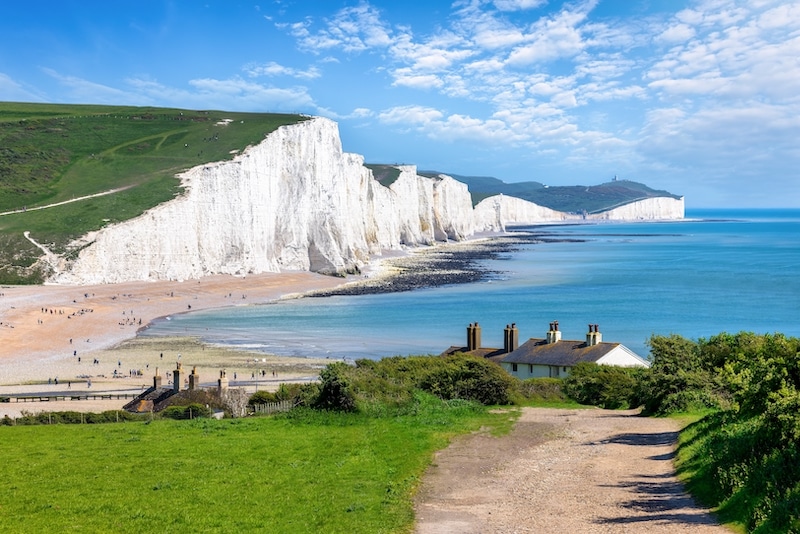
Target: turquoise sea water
point(716, 271)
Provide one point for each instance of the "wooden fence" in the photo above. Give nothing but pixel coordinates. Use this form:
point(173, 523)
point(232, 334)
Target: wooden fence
point(273, 407)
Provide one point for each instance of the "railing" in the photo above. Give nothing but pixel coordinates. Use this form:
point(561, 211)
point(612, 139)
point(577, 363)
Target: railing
point(273, 407)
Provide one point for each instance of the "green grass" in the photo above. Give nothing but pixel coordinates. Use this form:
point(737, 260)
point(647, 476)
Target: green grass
point(386, 175)
point(53, 153)
point(734, 466)
point(695, 466)
point(310, 472)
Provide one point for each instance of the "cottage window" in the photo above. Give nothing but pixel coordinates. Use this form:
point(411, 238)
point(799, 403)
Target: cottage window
point(564, 369)
point(514, 367)
point(530, 368)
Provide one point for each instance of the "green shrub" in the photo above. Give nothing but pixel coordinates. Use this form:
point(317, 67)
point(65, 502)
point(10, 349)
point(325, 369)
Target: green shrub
point(335, 392)
point(202, 397)
point(677, 369)
point(293, 392)
point(72, 418)
point(261, 397)
point(601, 385)
point(469, 378)
point(542, 389)
point(191, 411)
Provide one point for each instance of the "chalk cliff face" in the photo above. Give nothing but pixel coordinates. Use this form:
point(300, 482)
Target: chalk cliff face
point(649, 209)
point(501, 210)
point(296, 201)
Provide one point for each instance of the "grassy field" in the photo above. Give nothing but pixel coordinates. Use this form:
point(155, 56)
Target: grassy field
point(54, 153)
point(312, 472)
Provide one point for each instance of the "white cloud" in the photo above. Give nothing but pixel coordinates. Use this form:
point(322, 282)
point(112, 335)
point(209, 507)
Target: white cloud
point(486, 29)
point(352, 29)
point(272, 68)
point(361, 113)
point(82, 90)
point(358, 113)
point(408, 78)
point(533, 79)
point(232, 94)
point(518, 5)
point(552, 38)
point(13, 91)
point(410, 115)
point(676, 33)
point(755, 56)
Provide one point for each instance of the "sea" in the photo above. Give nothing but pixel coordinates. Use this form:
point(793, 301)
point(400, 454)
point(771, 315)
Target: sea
point(715, 271)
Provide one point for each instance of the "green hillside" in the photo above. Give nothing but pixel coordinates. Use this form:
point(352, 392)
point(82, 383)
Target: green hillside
point(570, 199)
point(51, 153)
point(384, 174)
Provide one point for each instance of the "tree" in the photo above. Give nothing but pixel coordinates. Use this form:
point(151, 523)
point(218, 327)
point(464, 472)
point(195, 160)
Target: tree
point(335, 391)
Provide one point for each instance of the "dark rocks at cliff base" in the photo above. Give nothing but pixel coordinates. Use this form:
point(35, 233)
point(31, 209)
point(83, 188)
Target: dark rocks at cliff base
point(459, 263)
point(456, 263)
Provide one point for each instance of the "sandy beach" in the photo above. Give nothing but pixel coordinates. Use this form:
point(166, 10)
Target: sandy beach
point(77, 340)
point(84, 337)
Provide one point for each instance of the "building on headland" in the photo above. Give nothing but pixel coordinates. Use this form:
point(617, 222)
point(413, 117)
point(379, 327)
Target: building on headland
point(550, 356)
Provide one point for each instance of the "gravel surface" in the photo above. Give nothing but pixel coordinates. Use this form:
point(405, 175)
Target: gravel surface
point(573, 471)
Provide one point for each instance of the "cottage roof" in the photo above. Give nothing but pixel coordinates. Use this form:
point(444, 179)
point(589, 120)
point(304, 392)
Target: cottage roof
point(563, 353)
point(496, 355)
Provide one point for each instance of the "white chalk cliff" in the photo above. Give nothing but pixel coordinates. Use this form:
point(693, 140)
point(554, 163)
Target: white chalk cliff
point(499, 211)
point(648, 209)
point(295, 201)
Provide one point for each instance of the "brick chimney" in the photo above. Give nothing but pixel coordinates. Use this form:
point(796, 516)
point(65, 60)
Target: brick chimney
point(593, 337)
point(473, 336)
point(194, 379)
point(222, 383)
point(176, 378)
point(156, 380)
point(510, 338)
point(554, 334)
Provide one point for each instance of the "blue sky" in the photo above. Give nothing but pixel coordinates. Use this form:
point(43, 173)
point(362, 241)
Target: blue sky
point(698, 97)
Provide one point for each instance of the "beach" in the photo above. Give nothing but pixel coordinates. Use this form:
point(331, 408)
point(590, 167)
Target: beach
point(71, 340)
point(79, 341)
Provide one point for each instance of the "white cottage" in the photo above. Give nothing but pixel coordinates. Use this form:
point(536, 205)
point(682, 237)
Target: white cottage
point(554, 358)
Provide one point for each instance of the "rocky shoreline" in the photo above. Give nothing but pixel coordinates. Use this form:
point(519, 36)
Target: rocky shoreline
point(458, 263)
point(453, 263)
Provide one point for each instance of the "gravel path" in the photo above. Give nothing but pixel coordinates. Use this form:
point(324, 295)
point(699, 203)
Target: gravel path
point(573, 471)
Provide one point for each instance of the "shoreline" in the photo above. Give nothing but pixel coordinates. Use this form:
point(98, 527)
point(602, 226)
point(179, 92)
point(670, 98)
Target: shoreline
point(82, 333)
point(44, 328)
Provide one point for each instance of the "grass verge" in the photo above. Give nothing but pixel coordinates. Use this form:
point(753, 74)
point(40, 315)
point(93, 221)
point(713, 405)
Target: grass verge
point(305, 472)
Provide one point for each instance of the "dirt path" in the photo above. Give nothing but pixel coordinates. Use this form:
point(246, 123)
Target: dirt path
point(95, 195)
point(573, 471)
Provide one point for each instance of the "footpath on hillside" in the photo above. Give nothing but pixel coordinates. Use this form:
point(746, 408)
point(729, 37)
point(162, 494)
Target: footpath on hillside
point(573, 471)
